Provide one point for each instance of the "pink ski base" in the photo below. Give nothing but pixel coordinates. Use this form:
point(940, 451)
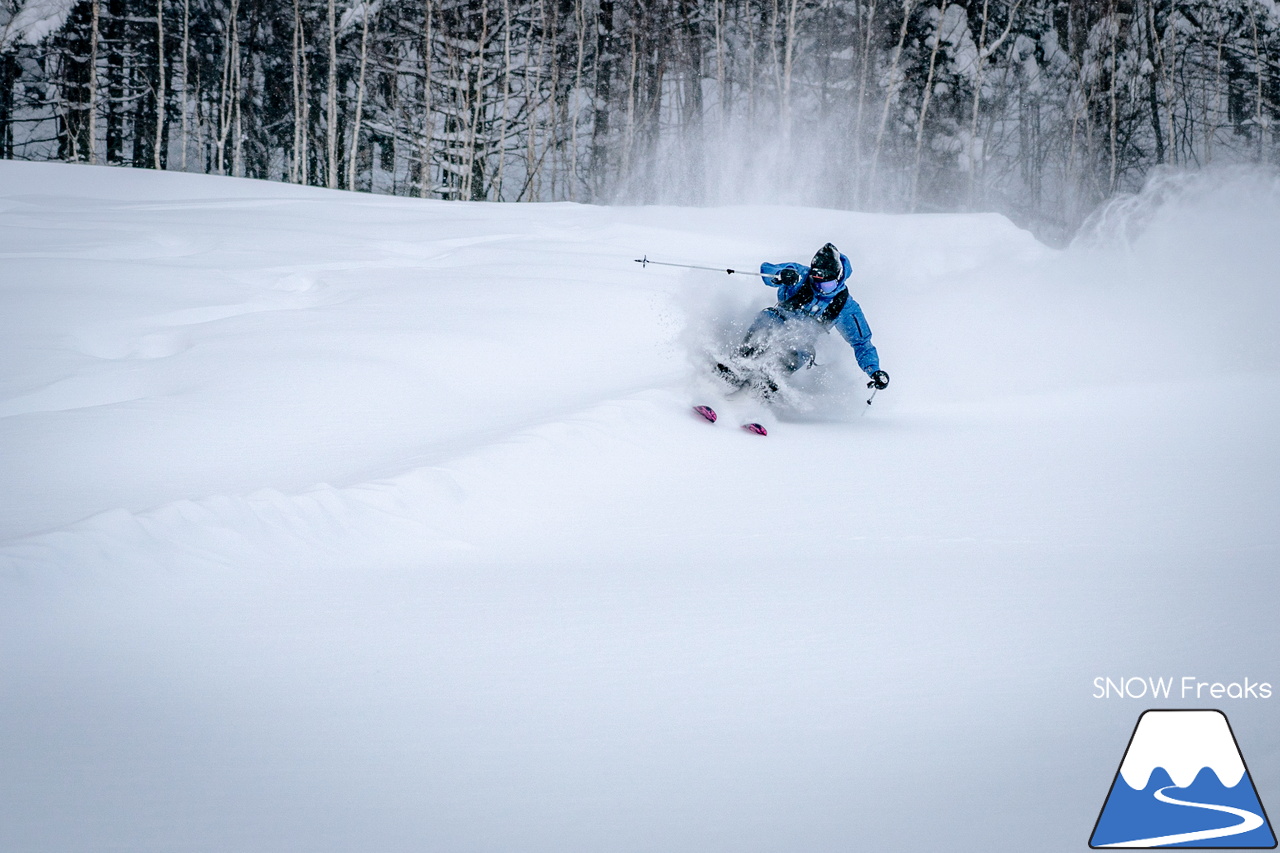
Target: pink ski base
point(706, 412)
point(758, 429)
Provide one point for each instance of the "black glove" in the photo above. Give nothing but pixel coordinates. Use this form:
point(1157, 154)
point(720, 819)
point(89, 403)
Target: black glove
point(879, 380)
point(788, 277)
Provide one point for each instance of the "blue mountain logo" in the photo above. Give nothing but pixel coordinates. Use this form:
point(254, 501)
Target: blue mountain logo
point(1183, 783)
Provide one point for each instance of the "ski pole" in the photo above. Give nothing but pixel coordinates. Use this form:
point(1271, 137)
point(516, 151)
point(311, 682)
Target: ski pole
point(644, 262)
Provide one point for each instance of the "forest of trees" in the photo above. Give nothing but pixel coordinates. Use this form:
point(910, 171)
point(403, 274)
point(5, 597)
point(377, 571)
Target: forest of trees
point(1039, 109)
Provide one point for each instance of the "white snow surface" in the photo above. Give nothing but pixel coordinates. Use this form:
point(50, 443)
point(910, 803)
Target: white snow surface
point(336, 522)
point(1183, 743)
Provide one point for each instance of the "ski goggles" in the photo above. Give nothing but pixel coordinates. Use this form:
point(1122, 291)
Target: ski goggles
point(824, 286)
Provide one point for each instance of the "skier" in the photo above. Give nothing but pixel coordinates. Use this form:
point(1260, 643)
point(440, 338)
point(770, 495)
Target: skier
point(782, 339)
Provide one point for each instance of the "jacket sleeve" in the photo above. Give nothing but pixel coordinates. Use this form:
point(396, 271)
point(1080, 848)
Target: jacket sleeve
point(768, 271)
point(853, 326)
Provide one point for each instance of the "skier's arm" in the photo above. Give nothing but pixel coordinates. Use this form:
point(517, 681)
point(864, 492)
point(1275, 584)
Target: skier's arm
point(769, 272)
point(853, 326)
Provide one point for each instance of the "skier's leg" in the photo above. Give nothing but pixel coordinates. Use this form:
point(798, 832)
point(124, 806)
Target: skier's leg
point(733, 377)
point(761, 333)
point(791, 348)
point(797, 359)
point(744, 365)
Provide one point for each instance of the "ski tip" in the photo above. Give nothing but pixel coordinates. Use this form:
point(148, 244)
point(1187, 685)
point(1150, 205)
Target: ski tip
point(758, 429)
point(706, 412)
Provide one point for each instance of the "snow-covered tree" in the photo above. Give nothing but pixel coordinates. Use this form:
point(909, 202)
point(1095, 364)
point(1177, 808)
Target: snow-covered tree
point(1038, 108)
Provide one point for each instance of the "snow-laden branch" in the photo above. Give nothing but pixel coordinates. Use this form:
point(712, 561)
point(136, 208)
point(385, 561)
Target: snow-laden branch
point(34, 20)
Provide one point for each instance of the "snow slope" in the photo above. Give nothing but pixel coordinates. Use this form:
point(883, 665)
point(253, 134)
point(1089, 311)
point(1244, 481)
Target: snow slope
point(333, 522)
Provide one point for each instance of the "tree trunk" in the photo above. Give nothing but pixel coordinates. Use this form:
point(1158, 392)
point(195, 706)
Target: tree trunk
point(890, 91)
point(355, 133)
point(692, 132)
point(1155, 58)
point(576, 181)
point(1113, 123)
point(925, 98)
point(186, 49)
point(93, 83)
point(8, 76)
point(331, 108)
point(722, 92)
point(116, 70)
point(503, 126)
point(161, 97)
point(237, 103)
point(1259, 66)
point(976, 153)
point(864, 71)
point(298, 162)
point(788, 68)
point(534, 160)
point(471, 181)
point(230, 88)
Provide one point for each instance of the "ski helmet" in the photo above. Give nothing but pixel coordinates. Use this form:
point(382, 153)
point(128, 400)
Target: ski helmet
point(826, 268)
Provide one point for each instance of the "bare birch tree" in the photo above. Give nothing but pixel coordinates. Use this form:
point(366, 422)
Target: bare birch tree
point(331, 101)
point(367, 12)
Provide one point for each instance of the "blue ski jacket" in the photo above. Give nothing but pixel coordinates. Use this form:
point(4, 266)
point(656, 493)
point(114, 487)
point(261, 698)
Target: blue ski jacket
point(802, 301)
